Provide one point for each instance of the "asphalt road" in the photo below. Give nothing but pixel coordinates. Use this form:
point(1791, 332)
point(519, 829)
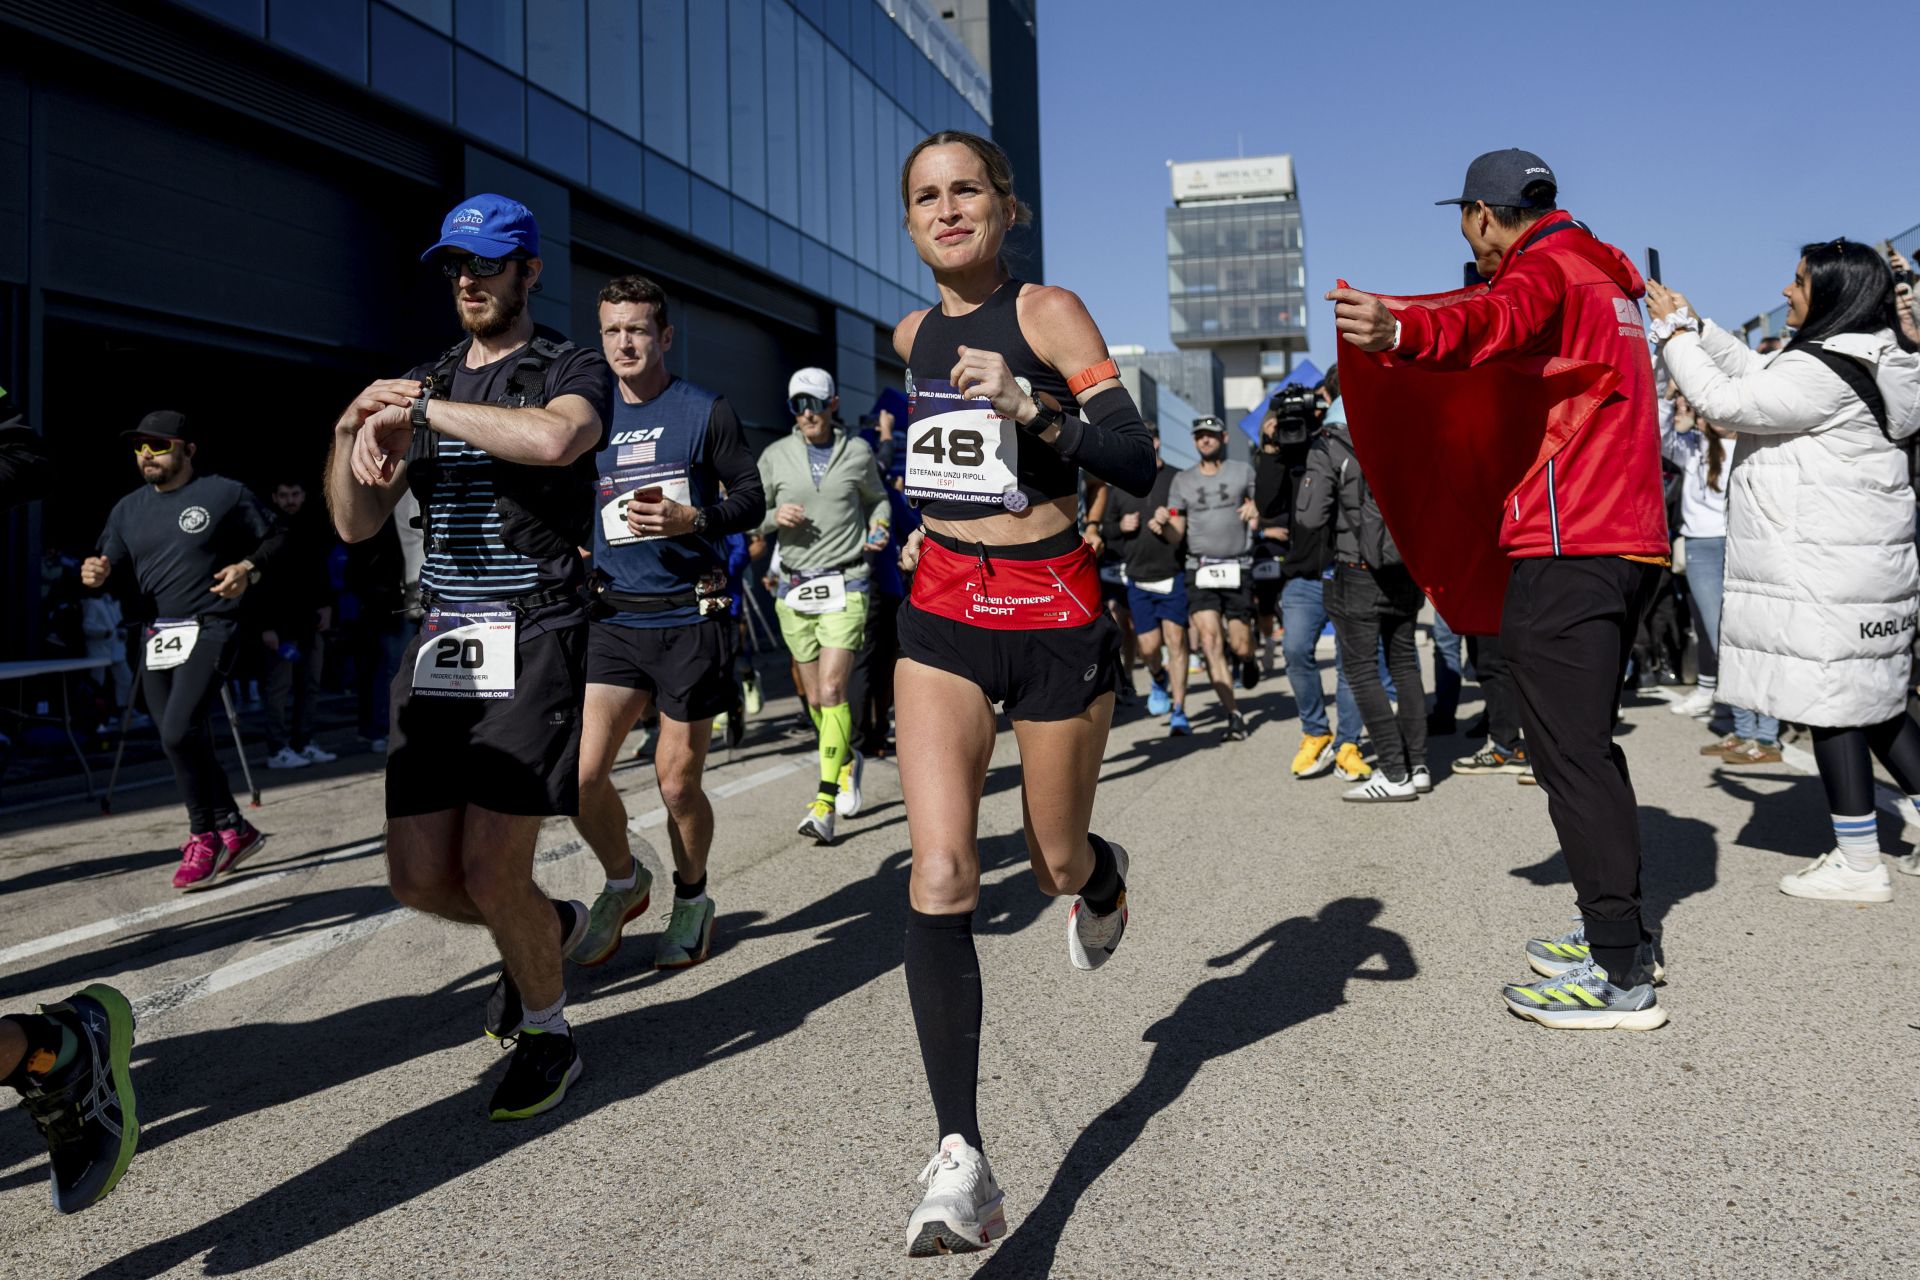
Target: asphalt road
point(1297, 1065)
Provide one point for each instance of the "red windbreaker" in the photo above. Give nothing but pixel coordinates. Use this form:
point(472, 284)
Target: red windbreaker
point(1534, 398)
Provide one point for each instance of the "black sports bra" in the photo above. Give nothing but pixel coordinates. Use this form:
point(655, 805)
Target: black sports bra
point(1040, 474)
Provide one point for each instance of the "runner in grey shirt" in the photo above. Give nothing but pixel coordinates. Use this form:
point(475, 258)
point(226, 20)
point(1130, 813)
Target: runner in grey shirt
point(1214, 509)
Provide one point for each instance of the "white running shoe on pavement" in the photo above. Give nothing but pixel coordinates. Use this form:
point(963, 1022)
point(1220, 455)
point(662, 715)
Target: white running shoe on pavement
point(1379, 788)
point(1830, 879)
point(964, 1209)
point(318, 754)
point(1422, 779)
point(846, 801)
point(1092, 939)
point(1697, 703)
point(288, 758)
point(819, 821)
point(1908, 864)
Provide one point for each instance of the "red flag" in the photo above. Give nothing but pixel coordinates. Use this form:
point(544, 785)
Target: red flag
point(1444, 451)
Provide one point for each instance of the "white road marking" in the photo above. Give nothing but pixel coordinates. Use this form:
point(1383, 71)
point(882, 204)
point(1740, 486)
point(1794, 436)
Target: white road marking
point(173, 906)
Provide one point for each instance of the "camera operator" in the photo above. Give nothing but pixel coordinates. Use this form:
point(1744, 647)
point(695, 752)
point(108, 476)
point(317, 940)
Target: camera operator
point(1372, 598)
point(1304, 558)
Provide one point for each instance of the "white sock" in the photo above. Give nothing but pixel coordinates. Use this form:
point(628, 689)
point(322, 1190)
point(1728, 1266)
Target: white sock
point(551, 1020)
point(1708, 683)
point(1913, 803)
point(1859, 840)
point(632, 879)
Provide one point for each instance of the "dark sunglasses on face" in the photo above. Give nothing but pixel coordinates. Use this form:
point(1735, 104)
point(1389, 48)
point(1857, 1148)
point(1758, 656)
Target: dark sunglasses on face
point(153, 448)
point(473, 265)
point(806, 404)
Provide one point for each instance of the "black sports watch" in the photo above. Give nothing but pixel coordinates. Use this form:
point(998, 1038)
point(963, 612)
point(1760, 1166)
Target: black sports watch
point(1044, 420)
point(418, 414)
point(699, 520)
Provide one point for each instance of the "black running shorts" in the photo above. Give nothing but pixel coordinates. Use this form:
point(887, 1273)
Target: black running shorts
point(1234, 603)
point(518, 755)
point(687, 669)
point(1043, 674)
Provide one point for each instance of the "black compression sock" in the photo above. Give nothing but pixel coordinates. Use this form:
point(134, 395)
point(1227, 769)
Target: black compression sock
point(943, 986)
point(1102, 889)
point(683, 890)
point(1618, 962)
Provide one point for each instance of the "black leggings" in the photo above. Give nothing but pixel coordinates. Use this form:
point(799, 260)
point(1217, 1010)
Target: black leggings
point(181, 701)
point(1847, 772)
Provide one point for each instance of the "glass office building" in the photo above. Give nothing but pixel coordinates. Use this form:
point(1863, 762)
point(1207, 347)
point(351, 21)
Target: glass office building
point(197, 194)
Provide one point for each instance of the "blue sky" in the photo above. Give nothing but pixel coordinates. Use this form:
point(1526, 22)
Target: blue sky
point(1675, 125)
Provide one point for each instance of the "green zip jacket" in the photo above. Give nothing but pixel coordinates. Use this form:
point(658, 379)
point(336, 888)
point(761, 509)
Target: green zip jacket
point(850, 501)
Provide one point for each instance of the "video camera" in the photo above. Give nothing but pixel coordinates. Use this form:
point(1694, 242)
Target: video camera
point(1295, 411)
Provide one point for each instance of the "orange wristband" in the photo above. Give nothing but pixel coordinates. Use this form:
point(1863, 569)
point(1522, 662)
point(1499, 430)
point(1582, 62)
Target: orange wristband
point(1087, 377)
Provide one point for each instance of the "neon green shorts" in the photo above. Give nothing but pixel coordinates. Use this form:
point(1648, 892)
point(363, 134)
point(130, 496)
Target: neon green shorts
point(807, 633)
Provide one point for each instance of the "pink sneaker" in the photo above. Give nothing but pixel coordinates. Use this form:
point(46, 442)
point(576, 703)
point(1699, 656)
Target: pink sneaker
point(238, 843)
point(196, 862)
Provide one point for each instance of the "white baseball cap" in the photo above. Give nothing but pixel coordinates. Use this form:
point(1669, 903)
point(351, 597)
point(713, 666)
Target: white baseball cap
point(811, 382)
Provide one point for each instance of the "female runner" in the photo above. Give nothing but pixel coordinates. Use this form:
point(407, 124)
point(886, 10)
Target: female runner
point(1005, 608)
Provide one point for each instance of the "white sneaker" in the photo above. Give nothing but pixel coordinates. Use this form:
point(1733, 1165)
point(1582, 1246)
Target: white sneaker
point(1422, 779)
point(1697, 703)
point(318, 754)
point(1092, 939)
point(846, 801)
point(1378, 789)
point(1830, 879)
point(288, 758)
point(1908, 864)
point(819, 821)
point(964, 1209)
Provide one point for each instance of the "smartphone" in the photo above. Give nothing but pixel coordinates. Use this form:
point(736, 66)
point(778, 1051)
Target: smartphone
point(1653, 266)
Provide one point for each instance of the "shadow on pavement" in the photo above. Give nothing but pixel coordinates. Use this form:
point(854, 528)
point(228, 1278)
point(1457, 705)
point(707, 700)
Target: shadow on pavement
point(858, 933)
point(1679, 857)
point(1302, 973)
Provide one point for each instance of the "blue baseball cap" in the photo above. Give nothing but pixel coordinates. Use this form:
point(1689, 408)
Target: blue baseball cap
point(490, 226)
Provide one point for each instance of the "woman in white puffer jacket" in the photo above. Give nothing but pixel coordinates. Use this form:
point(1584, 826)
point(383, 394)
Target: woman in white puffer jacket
point(1821, 580)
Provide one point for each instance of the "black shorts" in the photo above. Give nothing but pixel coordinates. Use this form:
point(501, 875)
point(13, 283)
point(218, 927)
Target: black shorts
point(687, 669)
point(1037, 675)
point(1233, 603)
point(518, 755)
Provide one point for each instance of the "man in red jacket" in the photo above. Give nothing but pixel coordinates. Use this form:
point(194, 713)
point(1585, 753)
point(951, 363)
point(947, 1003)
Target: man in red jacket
point(1584, 527)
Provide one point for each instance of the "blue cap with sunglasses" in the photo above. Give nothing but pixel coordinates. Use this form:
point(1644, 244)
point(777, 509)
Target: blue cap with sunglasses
point(488, 226)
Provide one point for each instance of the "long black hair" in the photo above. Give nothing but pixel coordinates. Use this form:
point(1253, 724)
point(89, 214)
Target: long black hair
point(1849, 290)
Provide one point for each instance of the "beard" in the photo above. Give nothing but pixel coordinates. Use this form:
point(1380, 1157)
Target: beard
point(500, 315)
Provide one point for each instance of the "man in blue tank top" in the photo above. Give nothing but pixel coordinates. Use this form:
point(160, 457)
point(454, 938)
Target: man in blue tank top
point(675, 479)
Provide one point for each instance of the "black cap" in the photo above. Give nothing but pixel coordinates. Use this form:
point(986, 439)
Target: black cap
point(161, 424)
point(1209, 423)
point(1502, 177)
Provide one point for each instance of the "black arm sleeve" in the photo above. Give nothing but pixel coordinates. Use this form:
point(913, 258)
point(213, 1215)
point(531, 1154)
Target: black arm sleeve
point(746, 502)
point(1113, 443)
point(267, 526)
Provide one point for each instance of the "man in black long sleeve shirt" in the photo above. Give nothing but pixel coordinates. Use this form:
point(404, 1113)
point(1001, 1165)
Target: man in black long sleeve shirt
point(196, 543)
point(1141, 530)
point(675, 479)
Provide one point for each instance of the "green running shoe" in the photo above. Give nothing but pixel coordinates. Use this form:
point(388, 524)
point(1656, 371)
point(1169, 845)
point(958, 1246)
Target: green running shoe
point(544, 1065)
point(1551, 957)
point(689, 935)
point(85, 1110)
point(611, 912)
point(1583, 999)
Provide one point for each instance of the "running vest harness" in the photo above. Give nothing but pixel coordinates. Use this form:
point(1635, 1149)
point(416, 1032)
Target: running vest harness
point(545, 512)
point(994, 325)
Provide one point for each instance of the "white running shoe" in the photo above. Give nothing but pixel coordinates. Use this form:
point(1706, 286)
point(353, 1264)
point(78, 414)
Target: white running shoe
point(318, 754)
point(1697, 703)
point(846, 801)
point(1908, 864)
point(1379, 788)
point(1830, 879)
point(288, 758)
point(964, 1209)
point(819, 821)
point(1422, 779)
point(1092, 939)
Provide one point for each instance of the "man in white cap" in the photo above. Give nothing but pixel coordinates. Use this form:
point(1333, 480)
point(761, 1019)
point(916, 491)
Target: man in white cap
point(827, 507)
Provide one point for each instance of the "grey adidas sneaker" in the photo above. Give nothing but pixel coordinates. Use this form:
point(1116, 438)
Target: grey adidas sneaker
point(1583, 999)
point(1551, 957)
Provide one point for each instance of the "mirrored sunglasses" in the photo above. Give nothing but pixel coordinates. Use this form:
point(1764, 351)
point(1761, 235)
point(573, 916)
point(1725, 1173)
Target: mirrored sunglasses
point(473, 265)
point(806, 404)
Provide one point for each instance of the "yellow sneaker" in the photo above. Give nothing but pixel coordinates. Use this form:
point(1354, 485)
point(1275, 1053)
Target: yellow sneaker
point(1315, 755)
point(1350, 765)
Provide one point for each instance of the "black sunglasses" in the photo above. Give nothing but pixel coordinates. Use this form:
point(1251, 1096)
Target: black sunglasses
point(806, 404)
point(476, 266)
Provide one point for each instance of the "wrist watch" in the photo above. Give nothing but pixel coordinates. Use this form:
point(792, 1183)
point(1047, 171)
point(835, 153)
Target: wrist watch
point(700, 520)
point(1044, 419)
point(253, 574)
point(418, 414)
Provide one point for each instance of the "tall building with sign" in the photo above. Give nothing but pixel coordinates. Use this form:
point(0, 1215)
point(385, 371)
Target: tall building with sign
point(1236, 270)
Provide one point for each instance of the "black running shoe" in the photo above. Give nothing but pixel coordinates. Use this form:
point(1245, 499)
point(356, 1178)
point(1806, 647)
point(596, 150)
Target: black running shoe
point(544, 1064)
point(85, 1109)
point(504, 1010)
point(736, 726)
point(1249, 672)
point(1236, 730)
